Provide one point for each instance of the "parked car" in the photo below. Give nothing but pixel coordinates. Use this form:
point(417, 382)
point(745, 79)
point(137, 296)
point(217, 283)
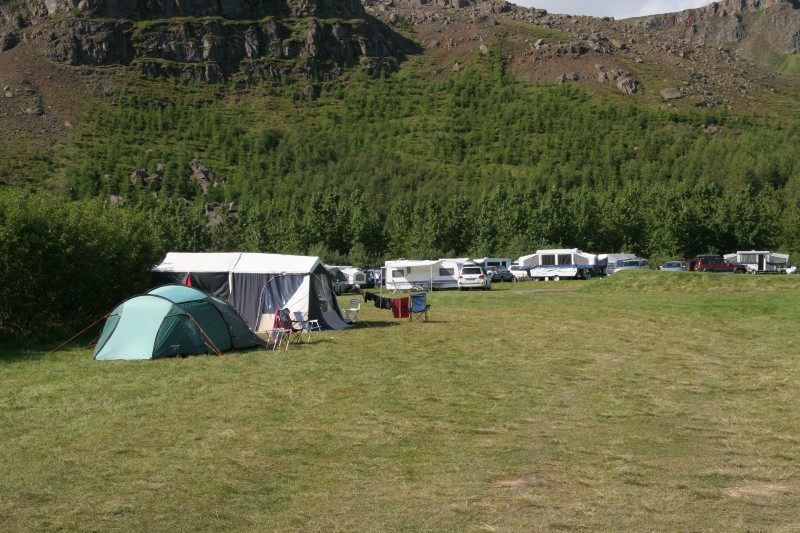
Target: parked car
point(672, 266)
point(691, 265)
point(520, 273)
point(628, 264)
point(474, 277)
point(340, 282)
point(718, 264)
point(499, 273)
point(370, 283)
point(373, 276)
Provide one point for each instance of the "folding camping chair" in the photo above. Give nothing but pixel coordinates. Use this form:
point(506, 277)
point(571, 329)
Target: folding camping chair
point(294, 331)
point(277, 333)
point(306, 325)
point(284, 330)
point(419, 307)
point(351, 314)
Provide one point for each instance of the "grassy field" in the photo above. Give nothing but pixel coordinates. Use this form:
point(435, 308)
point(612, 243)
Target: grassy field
point(645, 401)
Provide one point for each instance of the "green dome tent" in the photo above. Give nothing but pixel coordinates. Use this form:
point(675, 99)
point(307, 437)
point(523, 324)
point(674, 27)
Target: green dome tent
point(173, 320)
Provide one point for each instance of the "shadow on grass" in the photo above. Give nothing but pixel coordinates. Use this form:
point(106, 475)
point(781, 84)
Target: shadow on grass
point(16, 348)
point(365, 324)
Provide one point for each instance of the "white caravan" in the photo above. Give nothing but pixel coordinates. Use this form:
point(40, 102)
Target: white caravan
point(403, 274)
point(406, 275)
point(494, 261)
point(760, 262)
point(559, 264)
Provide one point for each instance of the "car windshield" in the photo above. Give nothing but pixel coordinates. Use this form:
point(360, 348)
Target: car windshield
point(471, 270)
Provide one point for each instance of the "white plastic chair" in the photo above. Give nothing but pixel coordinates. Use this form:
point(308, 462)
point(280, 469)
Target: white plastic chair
point(351, 314)
point(306, 325)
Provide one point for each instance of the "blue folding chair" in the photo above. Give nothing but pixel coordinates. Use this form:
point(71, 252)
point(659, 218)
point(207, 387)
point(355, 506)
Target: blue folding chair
point(419, 307)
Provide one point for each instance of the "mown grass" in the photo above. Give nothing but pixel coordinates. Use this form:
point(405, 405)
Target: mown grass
point(645, 401)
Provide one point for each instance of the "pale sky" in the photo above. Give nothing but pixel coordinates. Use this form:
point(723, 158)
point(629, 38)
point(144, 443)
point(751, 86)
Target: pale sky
point(619, 9)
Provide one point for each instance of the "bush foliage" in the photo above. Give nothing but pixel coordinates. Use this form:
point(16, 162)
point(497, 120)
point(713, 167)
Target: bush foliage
point(67, 262)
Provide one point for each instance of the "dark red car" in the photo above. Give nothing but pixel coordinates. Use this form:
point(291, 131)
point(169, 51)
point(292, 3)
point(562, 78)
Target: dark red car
point(718, 264)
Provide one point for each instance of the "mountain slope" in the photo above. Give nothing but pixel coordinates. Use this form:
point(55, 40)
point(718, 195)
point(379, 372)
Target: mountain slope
point(765, 32)
point(643, 57)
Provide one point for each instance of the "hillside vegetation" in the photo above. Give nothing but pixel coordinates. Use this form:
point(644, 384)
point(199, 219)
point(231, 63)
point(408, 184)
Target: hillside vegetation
point(474, 161)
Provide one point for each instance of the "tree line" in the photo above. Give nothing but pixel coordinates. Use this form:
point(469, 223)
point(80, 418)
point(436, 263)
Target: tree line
point(73, 259)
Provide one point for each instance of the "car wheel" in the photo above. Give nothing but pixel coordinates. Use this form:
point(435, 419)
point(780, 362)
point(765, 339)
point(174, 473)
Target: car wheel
point(708, 270)
point(738, 271)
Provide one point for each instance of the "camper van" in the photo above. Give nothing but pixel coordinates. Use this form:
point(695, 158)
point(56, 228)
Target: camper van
point(762, 262)
point(559, 264)
point(356, 277)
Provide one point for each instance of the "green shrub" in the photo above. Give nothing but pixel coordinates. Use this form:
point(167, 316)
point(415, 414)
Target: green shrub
point(68, 262)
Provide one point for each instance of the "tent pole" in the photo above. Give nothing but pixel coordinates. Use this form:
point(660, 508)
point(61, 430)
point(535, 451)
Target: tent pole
point(77, 334)
point(214, 347)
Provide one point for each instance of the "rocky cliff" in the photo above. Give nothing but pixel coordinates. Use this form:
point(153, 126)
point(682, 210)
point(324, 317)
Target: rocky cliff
point(208, 40)
point(757, 29)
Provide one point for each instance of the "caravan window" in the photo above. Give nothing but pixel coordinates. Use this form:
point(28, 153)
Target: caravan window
point(493, 264)
point(548, 260)
point(564, 259)
point(748, 258)
point(447, 272)
point(398, 274)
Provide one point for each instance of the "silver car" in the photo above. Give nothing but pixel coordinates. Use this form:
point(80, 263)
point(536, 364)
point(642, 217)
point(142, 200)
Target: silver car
point(474, 277)
point(673, 266)
point(628, 264)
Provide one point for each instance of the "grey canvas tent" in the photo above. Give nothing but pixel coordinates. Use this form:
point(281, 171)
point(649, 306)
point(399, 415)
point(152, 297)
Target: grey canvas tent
point(257, 284)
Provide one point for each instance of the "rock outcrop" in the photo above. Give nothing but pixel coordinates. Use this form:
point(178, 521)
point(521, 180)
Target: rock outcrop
point(774, 26)
point(206, 40)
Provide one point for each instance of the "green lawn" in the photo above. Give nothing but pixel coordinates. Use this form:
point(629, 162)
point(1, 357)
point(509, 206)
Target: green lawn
point(643, 402)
